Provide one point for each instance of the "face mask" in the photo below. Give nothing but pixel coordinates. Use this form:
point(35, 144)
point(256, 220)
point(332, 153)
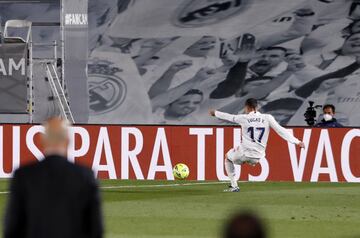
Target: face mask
point(327, 117)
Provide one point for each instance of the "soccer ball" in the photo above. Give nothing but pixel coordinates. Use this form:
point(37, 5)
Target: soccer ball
point(181, 171)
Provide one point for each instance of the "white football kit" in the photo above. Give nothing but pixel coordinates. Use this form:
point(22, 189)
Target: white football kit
point(255, 133)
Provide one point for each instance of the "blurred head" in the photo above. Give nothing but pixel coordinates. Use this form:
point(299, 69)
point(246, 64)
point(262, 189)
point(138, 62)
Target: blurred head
point(56, 138)
point(270, 58)
point(251, 105)
point(295, 62)
point(202, 47)
point(351, 45)
point(186, 104)
point(282, 109)
point(244, 225)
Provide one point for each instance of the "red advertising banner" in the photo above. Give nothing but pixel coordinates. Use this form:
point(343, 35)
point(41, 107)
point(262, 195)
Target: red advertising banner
point(150, 152)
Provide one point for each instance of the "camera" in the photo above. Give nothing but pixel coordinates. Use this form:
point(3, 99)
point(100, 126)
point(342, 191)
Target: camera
point(310, 113)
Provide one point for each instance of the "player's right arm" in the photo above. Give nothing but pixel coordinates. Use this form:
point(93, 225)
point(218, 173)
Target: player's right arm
point(226, 116)
point(285, 134)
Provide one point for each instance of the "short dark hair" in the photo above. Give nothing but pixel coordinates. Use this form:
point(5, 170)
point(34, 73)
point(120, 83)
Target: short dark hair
point(251, 102)
point(244, 225)
point(329, 106)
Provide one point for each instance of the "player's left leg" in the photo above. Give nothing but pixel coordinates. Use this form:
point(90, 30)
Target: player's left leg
point(230, 170)
point(232, 157)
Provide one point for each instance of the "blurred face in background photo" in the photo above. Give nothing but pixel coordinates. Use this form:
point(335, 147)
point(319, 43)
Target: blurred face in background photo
point(202, 47)
point(268, 60)
point(185, 105)
point(296, 60)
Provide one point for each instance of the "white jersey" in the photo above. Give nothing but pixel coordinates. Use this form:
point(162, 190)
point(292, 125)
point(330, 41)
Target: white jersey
point(255, 131)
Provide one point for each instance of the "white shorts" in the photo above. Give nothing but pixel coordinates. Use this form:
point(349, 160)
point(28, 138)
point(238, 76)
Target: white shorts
point(237, 156)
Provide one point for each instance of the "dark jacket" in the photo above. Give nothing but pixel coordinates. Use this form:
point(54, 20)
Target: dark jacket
point(331, 123)
point(53, 198)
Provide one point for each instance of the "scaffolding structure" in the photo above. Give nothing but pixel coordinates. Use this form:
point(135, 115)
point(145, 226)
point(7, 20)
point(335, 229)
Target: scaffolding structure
point(49, 63)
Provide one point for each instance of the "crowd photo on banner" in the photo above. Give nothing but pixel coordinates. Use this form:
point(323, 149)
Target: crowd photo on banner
point(171, 68)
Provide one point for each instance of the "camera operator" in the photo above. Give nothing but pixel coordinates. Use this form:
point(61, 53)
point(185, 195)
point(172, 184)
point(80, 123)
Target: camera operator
point(328, 117)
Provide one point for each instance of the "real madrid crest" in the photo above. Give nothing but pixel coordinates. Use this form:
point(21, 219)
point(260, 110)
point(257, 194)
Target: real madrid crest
point(107, 91)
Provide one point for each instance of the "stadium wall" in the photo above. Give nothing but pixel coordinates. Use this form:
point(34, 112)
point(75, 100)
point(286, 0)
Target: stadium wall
point(150, 152)
point(138, 52)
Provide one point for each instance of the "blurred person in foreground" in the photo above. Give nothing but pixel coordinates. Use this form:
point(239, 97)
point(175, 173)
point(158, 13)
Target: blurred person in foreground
point(328, 117)
point(53, 198)
point(244, 225)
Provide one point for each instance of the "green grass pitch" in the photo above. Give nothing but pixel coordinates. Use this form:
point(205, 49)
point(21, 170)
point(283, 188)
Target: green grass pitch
point(140, 209)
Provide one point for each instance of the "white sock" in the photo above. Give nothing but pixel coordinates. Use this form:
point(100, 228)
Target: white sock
point(230, 170)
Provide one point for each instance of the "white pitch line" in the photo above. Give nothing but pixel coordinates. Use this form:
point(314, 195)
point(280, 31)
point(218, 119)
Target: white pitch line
point(150, 186)
point(160, 185)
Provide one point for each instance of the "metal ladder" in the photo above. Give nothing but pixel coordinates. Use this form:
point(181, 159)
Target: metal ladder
point(58, 92)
